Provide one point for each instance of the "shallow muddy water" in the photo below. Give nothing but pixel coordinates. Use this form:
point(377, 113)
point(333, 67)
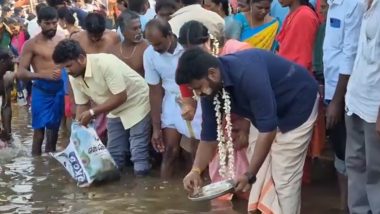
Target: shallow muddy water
point(40, 185)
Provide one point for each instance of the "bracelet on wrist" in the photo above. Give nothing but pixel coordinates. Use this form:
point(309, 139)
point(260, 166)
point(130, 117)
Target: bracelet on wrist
point(196, 170)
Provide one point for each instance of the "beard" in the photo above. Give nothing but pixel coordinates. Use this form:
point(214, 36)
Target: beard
point(49, 33)
point(214, 89)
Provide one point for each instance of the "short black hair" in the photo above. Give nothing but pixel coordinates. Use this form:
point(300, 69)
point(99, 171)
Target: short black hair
point(125, 17)
point(189, 2)
point(136, 5)
point(47, 13)
point(6, 9)
point(193, 33)
point(55, 3)
point(165, 4)
point(67, 15)
point(67, 50)
point(162, 25)
point(225, 5)
point(17, 10)
point(95, 23)
point(5, 54)
point(62, 12)
point(39, 6)
point(194, 64)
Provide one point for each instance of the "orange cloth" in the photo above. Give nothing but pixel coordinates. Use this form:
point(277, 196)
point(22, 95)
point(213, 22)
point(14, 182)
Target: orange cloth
point(297, 36)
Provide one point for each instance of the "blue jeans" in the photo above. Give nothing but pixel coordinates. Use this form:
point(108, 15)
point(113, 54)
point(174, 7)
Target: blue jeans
point(137, 138)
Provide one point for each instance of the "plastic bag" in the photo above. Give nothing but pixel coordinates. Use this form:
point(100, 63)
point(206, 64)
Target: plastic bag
point(86, 158)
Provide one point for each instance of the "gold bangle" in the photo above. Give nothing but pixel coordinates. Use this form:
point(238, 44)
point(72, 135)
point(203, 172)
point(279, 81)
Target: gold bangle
point(197, 170)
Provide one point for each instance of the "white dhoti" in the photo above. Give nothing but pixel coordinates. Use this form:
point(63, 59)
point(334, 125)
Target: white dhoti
point(171, 116)
point(277, 189)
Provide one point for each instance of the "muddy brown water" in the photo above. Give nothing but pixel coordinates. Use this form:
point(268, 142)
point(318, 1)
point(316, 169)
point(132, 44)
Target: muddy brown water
point(40, 185)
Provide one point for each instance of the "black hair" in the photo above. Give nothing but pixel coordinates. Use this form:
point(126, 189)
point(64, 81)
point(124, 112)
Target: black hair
point(66, 50)
point(47, 13)
point(194, 64)
point(137, 5)
point(307, 3)
point(6, 9)
point(39, 6)
point(55, 3)
point(162, 25)
point(193, 33)
point(5, 54)
point(122, 2)
point(95, 23)
point(62, 12)
point(165, 4)
point(189, 2)
point(17, 10)
point(67, 15)
point(225, 5)
point(257, 1)
point(124, 19)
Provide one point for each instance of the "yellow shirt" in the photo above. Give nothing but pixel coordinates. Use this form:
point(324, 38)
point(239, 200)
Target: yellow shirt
point(106, 75)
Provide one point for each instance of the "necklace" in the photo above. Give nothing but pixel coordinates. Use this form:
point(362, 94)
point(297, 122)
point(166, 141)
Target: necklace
point(127, 57)
point(224, 137)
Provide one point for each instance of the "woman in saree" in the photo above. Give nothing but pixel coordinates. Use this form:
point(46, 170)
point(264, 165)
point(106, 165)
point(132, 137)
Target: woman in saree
point(258, 29)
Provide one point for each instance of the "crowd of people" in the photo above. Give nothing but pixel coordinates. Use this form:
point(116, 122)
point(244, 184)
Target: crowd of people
point(246, 89)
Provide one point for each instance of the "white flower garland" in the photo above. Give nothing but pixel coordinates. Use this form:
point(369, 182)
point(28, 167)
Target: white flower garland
point(225, 146)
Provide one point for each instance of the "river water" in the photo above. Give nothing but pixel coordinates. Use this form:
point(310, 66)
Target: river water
point(40, 185)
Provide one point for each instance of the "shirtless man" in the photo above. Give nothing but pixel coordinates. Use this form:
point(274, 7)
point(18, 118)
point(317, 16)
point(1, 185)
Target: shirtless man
point(48, 82)
point(131, 49)
point(96, 39)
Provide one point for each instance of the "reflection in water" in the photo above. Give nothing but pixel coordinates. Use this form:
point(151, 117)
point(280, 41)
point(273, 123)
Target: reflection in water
point(41, 185)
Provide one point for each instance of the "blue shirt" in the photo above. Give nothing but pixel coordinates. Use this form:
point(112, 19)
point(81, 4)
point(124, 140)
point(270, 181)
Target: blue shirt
point(267, 89)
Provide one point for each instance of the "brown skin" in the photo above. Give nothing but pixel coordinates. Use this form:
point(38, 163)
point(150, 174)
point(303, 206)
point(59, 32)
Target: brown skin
point(166, 12)
point(259, 13)
point(208, 87)
point(76, 68)
point(210, 5)
point(292, 4)
point(97, 44)
point(131, 50)
point(243, 6)
point(6, 86)
point(37, 52)
point(166, 141)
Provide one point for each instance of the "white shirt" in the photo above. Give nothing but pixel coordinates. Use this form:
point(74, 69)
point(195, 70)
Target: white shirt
point(213, 22)
point(341, 41)
point(34, 29)
point(363, 90)
point(162, 67)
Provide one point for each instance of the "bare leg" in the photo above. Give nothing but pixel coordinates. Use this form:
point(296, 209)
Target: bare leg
point(343, 185)
point(38, 138)
point(51, 140)
point(172, 147)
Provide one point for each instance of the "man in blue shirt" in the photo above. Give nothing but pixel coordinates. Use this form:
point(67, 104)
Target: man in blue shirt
point(277, 96)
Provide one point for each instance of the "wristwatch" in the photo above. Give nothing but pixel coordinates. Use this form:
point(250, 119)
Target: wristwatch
point(251, 177)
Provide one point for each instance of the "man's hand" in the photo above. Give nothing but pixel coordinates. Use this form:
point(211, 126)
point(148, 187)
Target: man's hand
point(157, 141)
point(188, 107)
point(192, 181)
point(334, 114)
point(240, 139)
point(85, 118)
point(242, 184)
point(55, 75)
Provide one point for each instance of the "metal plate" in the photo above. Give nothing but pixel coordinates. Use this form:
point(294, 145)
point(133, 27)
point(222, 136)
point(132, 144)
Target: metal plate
point(213, 190)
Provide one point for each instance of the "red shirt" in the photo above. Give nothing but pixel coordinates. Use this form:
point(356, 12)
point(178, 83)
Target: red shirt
point(297, 36)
